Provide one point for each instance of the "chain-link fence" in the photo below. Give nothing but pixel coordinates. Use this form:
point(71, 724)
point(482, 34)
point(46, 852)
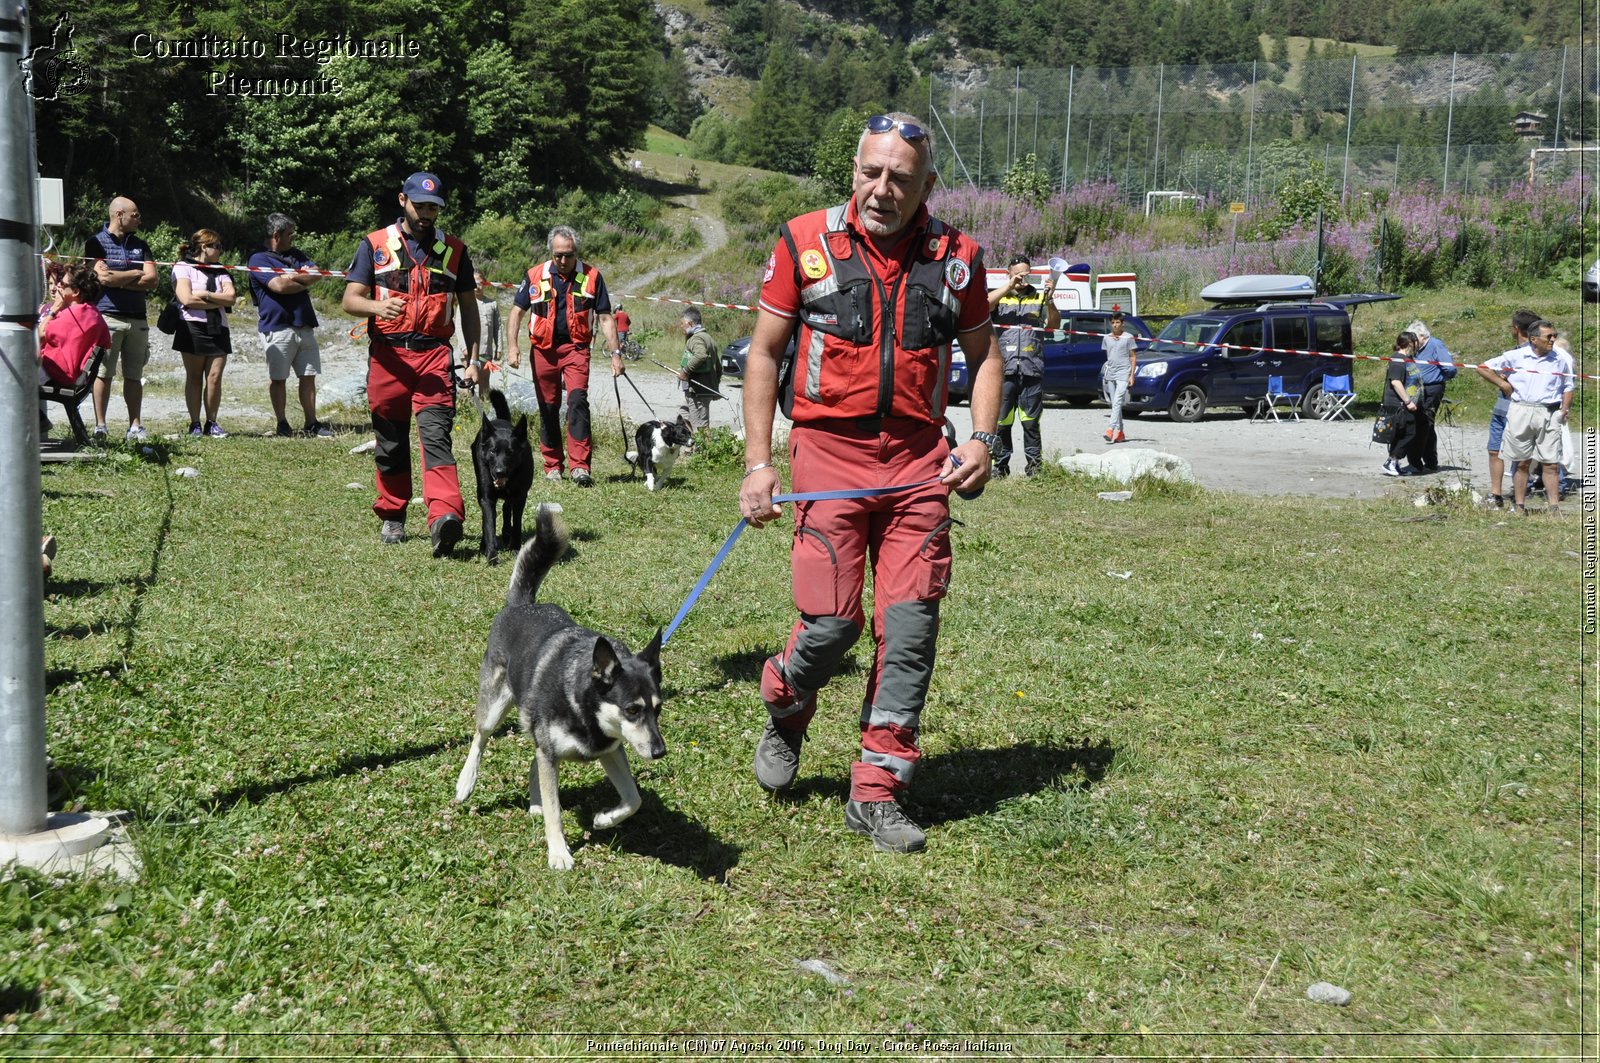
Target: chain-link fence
point(1468, 123)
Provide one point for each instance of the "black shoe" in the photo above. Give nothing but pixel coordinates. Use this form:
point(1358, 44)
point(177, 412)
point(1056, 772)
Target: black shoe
point(284, 431)
point(446, 533)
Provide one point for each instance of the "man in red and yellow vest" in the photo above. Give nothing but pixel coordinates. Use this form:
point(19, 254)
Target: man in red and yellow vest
point(878, 290)
point(565, 300)
point(405, 280)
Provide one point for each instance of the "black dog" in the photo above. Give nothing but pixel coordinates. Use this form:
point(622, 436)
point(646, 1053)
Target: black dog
point(503, 462)
point(656, 446)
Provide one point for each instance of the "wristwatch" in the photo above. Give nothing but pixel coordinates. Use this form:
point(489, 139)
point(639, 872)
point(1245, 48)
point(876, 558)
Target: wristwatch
point(988, 439)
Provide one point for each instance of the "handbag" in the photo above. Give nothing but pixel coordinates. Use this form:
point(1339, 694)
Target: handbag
point(169, 318)
point(1385, 428)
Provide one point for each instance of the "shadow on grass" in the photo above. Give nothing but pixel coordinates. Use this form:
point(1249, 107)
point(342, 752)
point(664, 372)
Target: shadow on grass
point(66, 783)
point(654, 831)
point(746, 667)
point(224, 800)
point(974, 782)
point(662, 833)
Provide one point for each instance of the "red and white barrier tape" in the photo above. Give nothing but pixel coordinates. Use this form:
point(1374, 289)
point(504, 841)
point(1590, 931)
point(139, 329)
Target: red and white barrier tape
point(312, 272)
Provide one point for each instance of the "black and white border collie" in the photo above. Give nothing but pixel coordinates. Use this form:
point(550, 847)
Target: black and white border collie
point(657, 444)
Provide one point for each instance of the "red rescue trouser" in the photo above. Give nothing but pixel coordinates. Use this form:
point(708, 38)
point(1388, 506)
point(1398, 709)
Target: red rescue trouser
point(566, 366)
point(402, 382)
point(907, 537)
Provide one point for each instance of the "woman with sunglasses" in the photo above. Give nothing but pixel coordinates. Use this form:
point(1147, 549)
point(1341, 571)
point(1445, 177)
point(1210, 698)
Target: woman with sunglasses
point(205, 293)
point(70, 328)
point(1402, 390)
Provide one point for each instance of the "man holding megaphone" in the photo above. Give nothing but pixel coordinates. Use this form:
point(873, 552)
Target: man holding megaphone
point(1019, 311)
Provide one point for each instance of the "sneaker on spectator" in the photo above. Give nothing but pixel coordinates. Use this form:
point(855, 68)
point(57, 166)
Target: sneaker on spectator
point(320, 429)
point(553, 475)
point(99, 431)
point(1495, 502)
point(889, 828)
point(136, 433)
point(1391, 468)
point(283, 431)
point(214, 430)
point(392, 531)
point(582, 478)
point(195, 429)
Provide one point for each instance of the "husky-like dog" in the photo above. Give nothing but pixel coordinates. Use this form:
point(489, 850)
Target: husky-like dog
point(579, 693)
point(656, 445)
point(502, 462)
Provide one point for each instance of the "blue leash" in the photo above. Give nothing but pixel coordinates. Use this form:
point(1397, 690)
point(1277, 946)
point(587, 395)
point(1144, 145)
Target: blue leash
point(738, 530)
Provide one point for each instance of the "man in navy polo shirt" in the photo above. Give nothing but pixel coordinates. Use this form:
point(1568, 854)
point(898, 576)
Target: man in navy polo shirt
point(126, 269)
point(287, 323)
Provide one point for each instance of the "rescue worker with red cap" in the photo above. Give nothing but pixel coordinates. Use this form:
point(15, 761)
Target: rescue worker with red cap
point(406, 279)
point(564, 300)
point(879, 290)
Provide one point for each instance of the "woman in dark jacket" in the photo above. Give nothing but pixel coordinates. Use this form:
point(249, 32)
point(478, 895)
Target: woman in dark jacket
point(1402, 386)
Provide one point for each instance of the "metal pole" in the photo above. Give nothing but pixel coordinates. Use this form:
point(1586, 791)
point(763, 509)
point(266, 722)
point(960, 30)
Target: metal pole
point(1449, 120)
point(1156, 159)
point(980, 141)
point(1014, 128)
point(1561, 86)
point(1066, 146)
point(23, 803)
point(1250, 151)
point(1349, 122)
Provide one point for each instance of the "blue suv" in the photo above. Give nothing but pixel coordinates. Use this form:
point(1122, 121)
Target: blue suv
point(1073, 357)
point(1223, 356)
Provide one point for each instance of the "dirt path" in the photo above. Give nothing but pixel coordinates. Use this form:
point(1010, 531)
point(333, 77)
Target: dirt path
point(713, 235)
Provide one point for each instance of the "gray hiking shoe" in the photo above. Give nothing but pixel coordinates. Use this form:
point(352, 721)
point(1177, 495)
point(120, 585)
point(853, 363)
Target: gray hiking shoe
point(778, 756)
point(886, 825)
point(393, 531)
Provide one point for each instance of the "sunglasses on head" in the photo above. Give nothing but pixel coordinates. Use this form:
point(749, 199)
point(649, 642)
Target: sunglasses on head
point(882, 123)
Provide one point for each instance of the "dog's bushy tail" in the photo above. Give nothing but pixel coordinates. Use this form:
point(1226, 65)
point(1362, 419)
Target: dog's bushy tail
point(537, 555)
point(502, 409)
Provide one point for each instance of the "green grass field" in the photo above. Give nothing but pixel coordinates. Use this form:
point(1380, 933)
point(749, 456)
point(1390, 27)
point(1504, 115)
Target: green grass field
point(1303, 741)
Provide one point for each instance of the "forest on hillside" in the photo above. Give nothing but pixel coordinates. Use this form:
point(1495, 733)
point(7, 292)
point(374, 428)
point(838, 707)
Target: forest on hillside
point(229, 111)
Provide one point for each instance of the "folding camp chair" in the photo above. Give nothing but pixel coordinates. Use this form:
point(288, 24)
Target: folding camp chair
point(1337, 395)
point(70, 395)
point(1268, 405)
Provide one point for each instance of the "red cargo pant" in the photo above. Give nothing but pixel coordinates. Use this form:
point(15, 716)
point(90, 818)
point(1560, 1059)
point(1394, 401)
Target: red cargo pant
point(400, 383)
point(564, 366)
point(906, 536)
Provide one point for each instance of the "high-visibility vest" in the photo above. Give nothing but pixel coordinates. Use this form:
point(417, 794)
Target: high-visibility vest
point(428, 286)
point(1019, 318)
point(580, 305)
point(867, 350)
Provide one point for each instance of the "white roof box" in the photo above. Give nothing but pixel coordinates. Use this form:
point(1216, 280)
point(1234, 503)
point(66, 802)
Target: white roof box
point(1259, 287)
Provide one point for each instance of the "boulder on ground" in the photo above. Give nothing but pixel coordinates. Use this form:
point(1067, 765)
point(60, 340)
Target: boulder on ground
point(1125, 466)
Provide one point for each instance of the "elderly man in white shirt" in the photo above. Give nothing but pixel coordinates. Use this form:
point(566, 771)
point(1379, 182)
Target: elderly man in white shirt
point(1539, 381)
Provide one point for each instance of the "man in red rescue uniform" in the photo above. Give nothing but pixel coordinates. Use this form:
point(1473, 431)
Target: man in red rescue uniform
point(565, 298)
point(406, 279)
point(878, 290)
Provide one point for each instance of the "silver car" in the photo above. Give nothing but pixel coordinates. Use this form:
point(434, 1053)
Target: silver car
point(1591, 283)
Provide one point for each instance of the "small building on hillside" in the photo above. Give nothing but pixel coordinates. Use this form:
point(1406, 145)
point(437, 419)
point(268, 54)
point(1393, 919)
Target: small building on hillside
point(1529, 123)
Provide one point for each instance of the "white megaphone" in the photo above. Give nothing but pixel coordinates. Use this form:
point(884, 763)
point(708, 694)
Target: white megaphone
point(1058, 266)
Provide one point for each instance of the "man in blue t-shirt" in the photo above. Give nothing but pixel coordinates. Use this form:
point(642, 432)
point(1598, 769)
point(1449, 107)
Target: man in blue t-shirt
point(126, 270)
point(287, 322)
